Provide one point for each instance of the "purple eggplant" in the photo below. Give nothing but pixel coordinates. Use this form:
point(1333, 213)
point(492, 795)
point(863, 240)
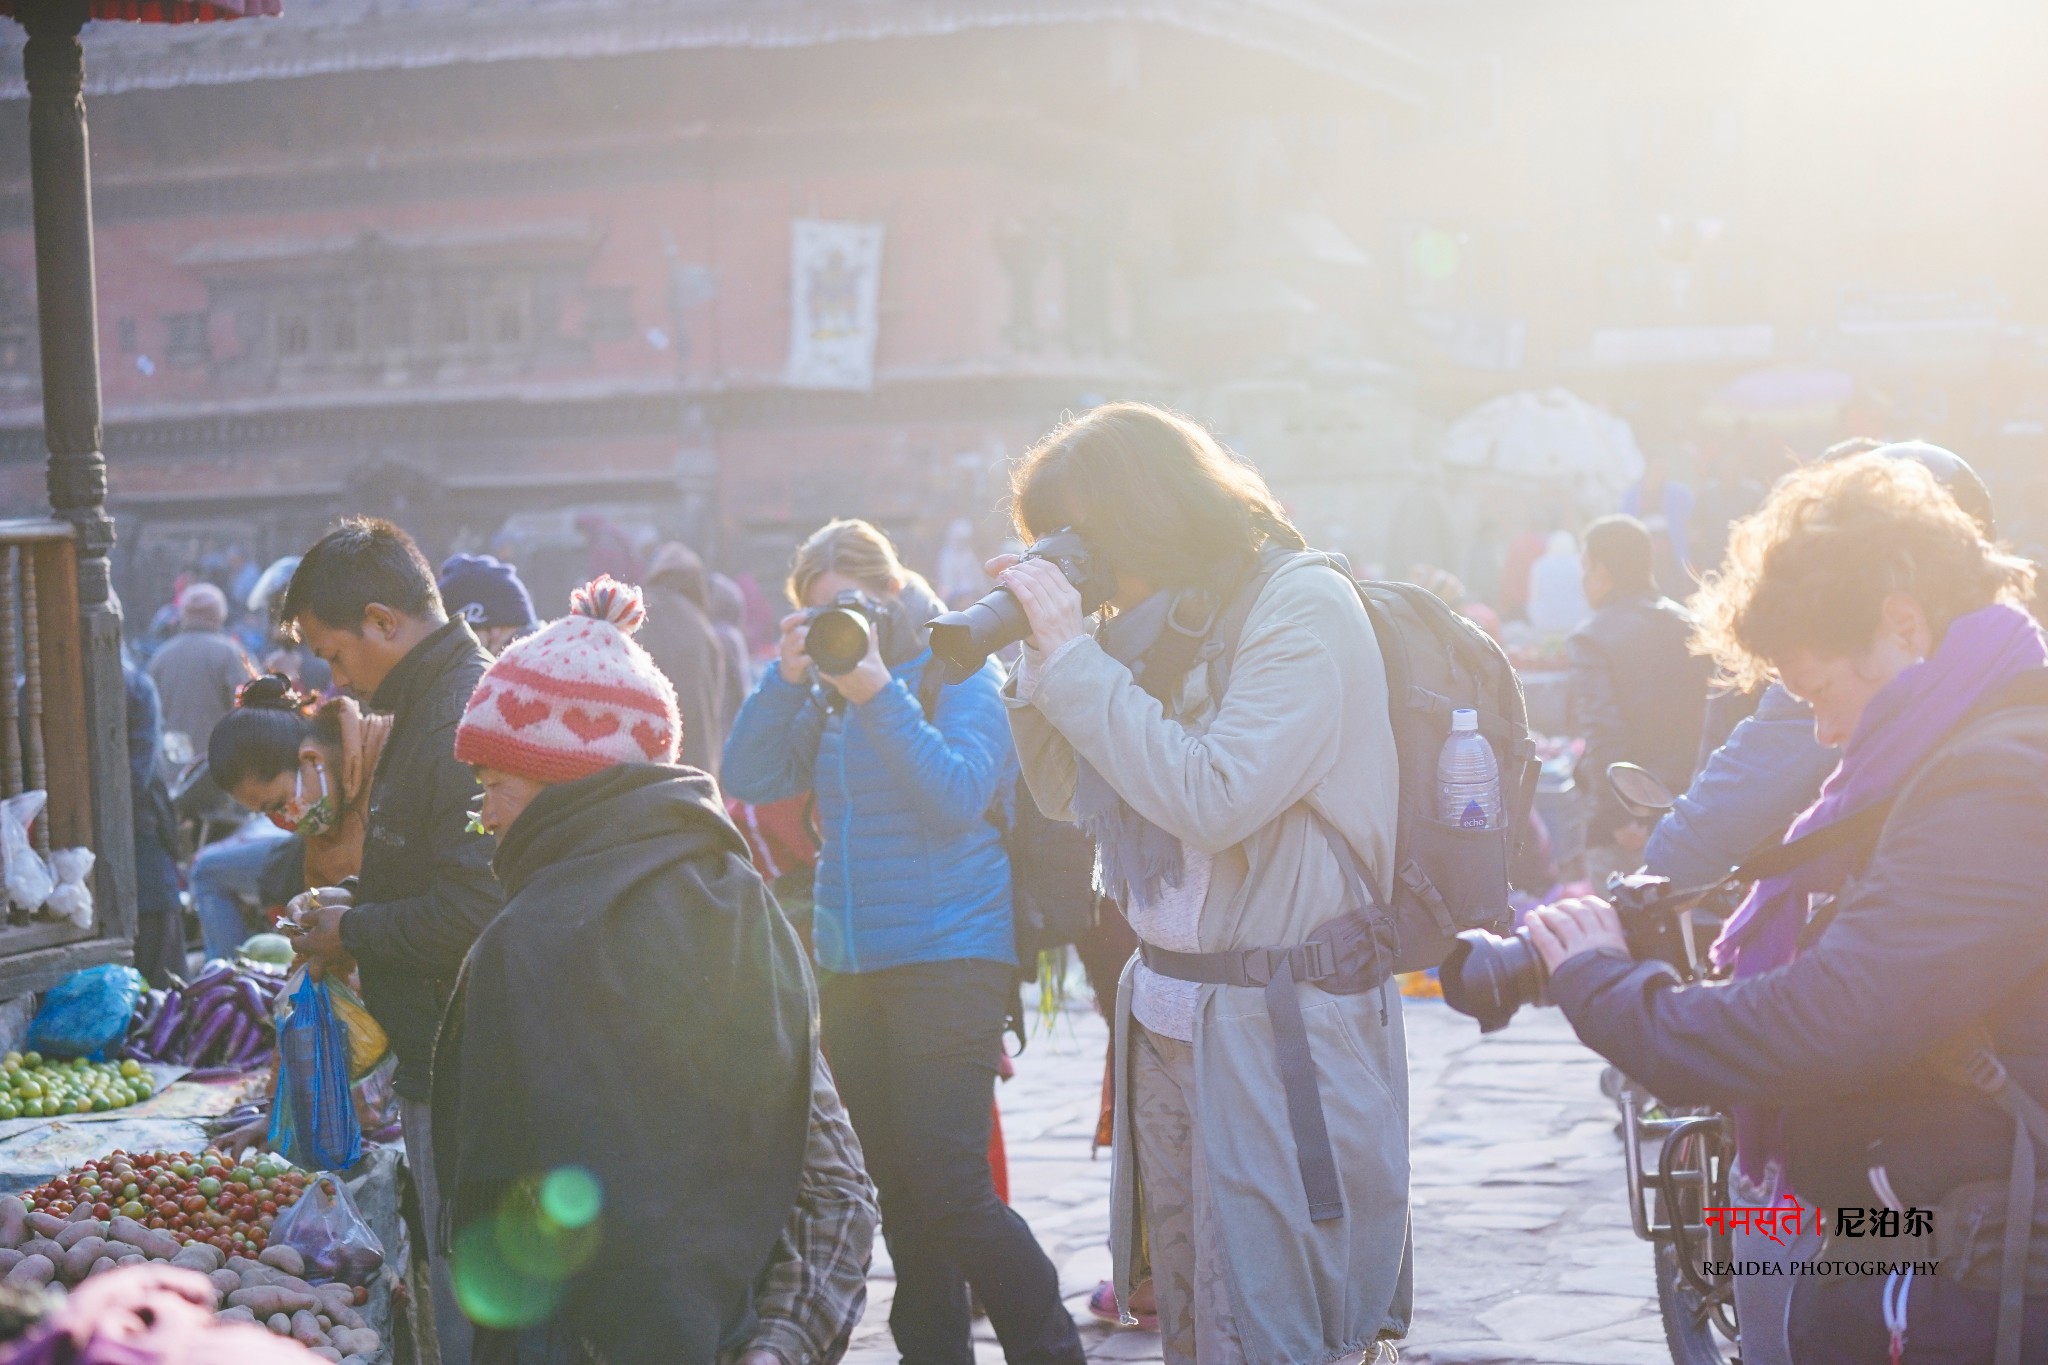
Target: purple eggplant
point(239, 1038)
point(216, 971)
point(204, 999)
point(213, 1073)
point(254, 1003)
point(166, 1024)
point(209, 1030)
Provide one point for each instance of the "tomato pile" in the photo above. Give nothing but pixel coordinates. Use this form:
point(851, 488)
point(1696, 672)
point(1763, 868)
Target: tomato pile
point(206, 1198)
point(32, 1088)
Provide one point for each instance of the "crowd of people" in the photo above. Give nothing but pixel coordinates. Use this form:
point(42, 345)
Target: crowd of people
point(542, 850)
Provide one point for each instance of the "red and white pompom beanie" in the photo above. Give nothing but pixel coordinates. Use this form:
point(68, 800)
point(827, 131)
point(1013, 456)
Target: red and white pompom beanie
point(575, 697)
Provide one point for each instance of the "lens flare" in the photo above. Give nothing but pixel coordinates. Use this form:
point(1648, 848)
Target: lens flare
point(570, 1197)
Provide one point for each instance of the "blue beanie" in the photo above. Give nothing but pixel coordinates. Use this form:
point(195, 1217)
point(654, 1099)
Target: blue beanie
point(485, 591)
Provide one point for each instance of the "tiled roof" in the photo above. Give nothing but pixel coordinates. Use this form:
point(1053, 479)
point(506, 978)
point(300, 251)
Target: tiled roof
point(321, 36)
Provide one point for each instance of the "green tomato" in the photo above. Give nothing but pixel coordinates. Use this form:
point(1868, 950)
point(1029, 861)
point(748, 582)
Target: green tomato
point(81, 1105)
point(32, 1088)
point(130, 1067)
point(8, 1108)
point(132, 1209)
point(209, 1186)
point(31, 1059)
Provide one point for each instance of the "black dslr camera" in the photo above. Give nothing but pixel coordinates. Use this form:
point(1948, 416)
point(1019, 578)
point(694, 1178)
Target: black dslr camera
point(838, 635)
point(1488, 977)
point(964, 639)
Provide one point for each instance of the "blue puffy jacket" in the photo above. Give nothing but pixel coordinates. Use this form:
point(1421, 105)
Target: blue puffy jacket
point(911, 870)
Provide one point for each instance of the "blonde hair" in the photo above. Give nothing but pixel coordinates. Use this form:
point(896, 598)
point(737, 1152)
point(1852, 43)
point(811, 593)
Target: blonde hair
point(1811, 568)
point(852, 547)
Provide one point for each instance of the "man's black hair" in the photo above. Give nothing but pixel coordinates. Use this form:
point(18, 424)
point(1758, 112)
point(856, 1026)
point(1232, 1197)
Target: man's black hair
point(1621, 545)
point(361, 561)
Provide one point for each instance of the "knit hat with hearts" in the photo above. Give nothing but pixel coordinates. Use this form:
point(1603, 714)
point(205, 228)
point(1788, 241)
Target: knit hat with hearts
point(575, 697)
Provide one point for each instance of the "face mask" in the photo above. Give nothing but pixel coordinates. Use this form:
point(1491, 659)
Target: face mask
point(319, 816)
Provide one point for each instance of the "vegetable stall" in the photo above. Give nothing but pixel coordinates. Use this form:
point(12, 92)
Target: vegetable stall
point(112, 1134)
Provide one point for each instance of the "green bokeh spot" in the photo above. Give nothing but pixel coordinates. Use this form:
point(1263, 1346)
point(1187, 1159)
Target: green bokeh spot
point(570, 1197)
point(492, 1291)
point(1436, 253)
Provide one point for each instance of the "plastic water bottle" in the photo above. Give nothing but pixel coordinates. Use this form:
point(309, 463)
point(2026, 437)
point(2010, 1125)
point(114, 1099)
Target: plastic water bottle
point(1467, 778)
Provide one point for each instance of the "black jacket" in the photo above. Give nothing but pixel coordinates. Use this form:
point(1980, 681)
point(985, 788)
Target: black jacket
point(1943, 927)
point(1638, 694)
point(642, 1010)
point(426, 889)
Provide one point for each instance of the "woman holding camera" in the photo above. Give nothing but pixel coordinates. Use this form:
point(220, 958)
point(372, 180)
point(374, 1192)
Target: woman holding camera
point(1900, 955)
point(912, 933)
point(1223, 823)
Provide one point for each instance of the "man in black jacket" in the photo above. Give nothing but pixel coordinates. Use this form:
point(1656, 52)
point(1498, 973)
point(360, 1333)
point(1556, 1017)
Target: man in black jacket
point(1638, 693)
point(364, 600)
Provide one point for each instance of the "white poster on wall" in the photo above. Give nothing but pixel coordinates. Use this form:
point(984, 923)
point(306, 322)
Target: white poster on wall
point(835, 277)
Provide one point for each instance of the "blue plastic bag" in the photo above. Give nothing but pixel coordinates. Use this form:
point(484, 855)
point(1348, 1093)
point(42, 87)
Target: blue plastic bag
point(87, 1012)
point(313, 1117)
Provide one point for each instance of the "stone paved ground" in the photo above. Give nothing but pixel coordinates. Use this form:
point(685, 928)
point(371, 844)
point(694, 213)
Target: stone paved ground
point(1523, 1250)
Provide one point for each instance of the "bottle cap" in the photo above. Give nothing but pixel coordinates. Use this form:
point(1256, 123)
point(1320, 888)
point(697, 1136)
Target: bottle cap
point(1464, 718)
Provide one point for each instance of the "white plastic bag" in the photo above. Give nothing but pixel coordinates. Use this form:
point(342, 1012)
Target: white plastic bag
point(28, 878)
point(72, 899)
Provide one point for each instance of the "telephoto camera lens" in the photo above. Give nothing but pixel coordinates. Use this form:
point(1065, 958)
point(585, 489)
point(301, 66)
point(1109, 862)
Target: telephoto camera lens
point(964, 639)
point(837, 640)
point(1488, 977)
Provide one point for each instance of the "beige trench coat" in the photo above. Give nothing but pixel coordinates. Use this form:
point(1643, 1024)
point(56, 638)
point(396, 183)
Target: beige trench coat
point(1303, 726)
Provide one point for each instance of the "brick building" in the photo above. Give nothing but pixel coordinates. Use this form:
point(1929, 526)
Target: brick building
point(483, 266)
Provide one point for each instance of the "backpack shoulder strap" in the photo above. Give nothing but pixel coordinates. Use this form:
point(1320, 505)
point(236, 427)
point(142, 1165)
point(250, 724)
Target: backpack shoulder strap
point(1971, 1061)
point(1230, 621)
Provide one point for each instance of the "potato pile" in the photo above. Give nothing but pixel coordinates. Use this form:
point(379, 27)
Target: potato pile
point(71, 1228)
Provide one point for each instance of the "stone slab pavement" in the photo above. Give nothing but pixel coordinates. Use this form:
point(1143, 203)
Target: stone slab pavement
point(1523, 1251)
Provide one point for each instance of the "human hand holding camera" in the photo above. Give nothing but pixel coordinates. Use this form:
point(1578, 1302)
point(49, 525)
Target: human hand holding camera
point(794, 663)
point(1568, 928)
point(868, 677)
point(1051, 604)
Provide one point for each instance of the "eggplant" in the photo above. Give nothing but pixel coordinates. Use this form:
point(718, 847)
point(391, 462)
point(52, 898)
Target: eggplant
point(144, 1014)
point(219, 969)
point(256, 1049)
point(213, 1073)
point(204, 998)
point(166, 1024)
point(209, 1030)
point(253, 1001)
point(237, 1041)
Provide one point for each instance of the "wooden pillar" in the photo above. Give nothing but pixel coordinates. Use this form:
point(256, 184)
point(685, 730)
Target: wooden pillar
point(54, 64)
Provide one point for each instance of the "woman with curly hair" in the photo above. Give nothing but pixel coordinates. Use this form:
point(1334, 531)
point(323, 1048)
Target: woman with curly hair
point(1883, 1034)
